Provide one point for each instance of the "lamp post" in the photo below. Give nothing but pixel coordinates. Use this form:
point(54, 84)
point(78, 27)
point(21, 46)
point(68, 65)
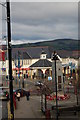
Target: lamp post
point(76, 92)
point(10, 60)
point(55, 58)
point(41, 98)
point(41, 101)
point(45, 100)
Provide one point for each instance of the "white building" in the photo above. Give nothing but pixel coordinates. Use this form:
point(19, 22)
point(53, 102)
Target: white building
point(57, 66)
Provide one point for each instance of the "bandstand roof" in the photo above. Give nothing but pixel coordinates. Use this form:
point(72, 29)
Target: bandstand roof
point(42, 63)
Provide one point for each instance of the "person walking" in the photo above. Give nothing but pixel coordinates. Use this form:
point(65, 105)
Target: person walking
point(19, 84)
point(18, 96)
point(27, 95)
point(23, 83)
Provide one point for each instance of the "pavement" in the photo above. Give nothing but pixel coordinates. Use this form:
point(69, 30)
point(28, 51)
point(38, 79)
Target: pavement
point(0, 110)
point(28, 109)
point(3, 110)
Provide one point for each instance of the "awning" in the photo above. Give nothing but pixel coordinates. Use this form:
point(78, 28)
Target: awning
point(21, 69)
point(3, 69)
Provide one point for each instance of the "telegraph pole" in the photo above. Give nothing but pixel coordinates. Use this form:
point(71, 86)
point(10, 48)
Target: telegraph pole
point(10, 60)
point(55, 56)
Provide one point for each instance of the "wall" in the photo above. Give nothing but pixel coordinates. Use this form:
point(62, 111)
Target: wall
point(58, 72)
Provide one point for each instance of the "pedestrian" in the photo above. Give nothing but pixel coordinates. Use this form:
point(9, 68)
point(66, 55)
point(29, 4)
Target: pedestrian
point(19, 83)
point(16, 80)
point(27, 95)
point(18, 96)
point(23, 83)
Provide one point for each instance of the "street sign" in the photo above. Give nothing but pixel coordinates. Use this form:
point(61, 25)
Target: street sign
point(49, 78)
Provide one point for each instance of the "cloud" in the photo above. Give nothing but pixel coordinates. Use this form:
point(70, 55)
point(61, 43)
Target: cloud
point(33, 21)
point(36, 13)
point(44, 0)
point(0, 22)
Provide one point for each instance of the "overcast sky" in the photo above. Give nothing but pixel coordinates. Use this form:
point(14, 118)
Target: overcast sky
point(0, 21)
point(38, 21)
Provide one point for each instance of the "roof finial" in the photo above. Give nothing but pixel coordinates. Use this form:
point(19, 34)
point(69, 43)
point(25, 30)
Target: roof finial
point(43, 52)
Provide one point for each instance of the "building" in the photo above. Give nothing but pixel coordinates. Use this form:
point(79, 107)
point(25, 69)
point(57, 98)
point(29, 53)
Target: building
point(30, 55)
point(57, 67)
point(41, 68)
point(21, 62)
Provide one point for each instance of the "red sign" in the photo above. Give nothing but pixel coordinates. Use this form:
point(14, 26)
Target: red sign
point(2, 55)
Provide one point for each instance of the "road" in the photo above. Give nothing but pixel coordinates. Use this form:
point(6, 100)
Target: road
point(0, 110)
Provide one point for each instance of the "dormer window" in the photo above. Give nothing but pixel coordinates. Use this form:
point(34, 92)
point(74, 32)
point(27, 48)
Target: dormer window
point(43, 55)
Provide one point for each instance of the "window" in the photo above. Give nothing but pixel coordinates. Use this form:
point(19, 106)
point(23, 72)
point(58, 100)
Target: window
point(43, 56)
point(24, 62)
point(59, 79)
point(59, 86)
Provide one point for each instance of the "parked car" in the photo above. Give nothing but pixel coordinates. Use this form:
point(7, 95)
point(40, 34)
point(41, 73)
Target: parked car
point(39, 83)
point(1, 84)
point(4, 95)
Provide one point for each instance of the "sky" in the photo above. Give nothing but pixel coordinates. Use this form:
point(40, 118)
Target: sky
point(0, 21)
point(41, 21)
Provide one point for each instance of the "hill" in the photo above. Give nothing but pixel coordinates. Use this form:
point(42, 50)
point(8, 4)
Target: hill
point(58, 44)
point(64, 47)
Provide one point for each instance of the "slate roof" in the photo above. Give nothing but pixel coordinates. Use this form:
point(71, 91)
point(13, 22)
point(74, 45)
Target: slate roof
point(26, 55)
point(23, 54)
point(42, 63)
point(33, 52)
point(43, 52)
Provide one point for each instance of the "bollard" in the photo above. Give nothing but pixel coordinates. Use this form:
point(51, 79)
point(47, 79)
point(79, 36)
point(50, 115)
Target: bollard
point(75, 91)
point(67, 89)
point(48, 115)
point(14, 100)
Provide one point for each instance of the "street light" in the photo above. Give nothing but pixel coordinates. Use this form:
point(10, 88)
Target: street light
point(55, 57)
